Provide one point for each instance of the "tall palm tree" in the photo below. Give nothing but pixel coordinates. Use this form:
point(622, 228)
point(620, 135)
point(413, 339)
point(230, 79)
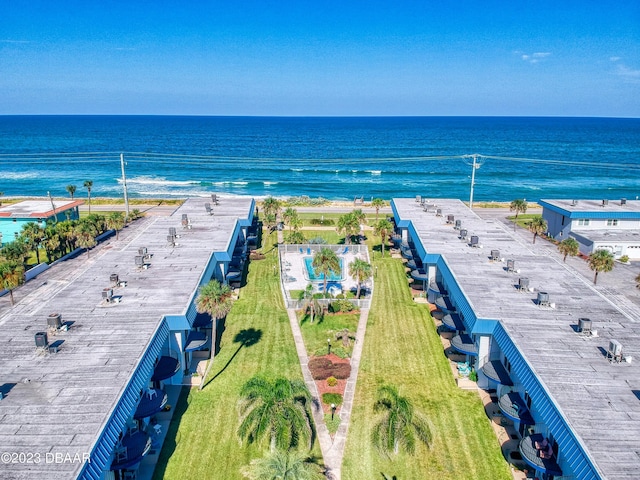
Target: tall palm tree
point(52, 242)
point(537, 225)
point(115, 221)
point(283, 465)
point(311, 304)
point(601, 261)
point(33, 234)
point(377, 203)
point(383, 228)
point(277, 409)
point(400, 425)
point(349, 225)
point(271, 205)
point(325, 262)
point(360, 271)
point(85, 236)
point(290, 215)
point(519, 206)
point(71, 189)
point(569, 246)
point(88, 184)
point(11, 276)
point(216, 299)
point(16, 250)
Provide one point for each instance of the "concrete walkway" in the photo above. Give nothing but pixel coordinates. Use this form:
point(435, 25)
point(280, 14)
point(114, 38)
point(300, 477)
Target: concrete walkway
point(332, 449)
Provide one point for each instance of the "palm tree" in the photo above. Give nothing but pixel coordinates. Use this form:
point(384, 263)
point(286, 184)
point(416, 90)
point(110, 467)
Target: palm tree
point(15, 251)
point(52, 241)
point(311, 304)
point(325, 262)
point(400, 424)
point(1, 195)
point(569, 246)
point(277, 409)
point(271, 205)
point(537, 225)
point(383, 228)
point(11, 276)
point(377, 203)
point(88, 184)
point(348, 224)
point(601, 261)
point(289, 216)
point(71, 189)
point(216, 299)
point(518, 205)
point(33, 234)
point(283, 465)
point(115, 221)
point(360, 271)
point(85, 236)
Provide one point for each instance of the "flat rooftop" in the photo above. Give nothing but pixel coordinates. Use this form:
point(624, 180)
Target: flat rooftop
point(618, 235)
point(59, 403)
point(37, 208)
point(600, 400)
point(595, 205)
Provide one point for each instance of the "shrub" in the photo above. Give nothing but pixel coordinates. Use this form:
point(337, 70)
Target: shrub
point(332, 382)
point(320, 221)
point(317, 241)
point(321, 368)
point(624, 258)
point(341, 370)
point(329, 398)
point(473, 376)
point(341, 306)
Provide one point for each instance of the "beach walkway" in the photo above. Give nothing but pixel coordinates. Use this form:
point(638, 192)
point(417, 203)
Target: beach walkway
point(332, 448)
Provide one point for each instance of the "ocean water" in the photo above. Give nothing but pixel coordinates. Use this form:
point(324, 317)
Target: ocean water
point(336, 158)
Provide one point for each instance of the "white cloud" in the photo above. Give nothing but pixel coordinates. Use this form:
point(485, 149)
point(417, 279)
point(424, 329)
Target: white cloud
point(627, 73)
point(615, 59)
point(541, 54)
point(535, 57)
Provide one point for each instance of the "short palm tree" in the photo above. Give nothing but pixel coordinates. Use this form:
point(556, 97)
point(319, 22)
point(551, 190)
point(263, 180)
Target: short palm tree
point(519, 206)
point(290, 216)
point(216, 299)
point(383, 228)
point(271, 205)
point(601, 261)
point(311, 304)
point(348, 225)
point(17, 250)
point(360, 271)
point(537, 225)
point(11, 276)
point(325, 262)
point(33, 235)
point(71, 189)
point(377, 203)
point(278, 410)
point(88, 184)
point(115, 221)
point(401, 425)
point(569, 246)
point(85, 236)
point(283, 465)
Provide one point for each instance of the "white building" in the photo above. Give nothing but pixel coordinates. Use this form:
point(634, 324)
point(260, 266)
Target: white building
point(596, 224)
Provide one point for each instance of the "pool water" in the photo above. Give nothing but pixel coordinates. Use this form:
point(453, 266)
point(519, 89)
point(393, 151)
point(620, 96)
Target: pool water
point(308, 263)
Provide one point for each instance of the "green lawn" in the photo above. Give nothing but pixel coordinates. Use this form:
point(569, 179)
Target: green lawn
point(205, 443)
point(402, 348)
point(315, 335)
point(523, 219)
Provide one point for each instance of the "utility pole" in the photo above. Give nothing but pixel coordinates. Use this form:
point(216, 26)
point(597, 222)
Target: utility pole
point(53, 207)
point(474, 167)
point(124, 185)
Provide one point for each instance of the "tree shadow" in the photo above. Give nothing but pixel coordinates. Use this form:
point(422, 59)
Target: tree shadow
point(246, 338)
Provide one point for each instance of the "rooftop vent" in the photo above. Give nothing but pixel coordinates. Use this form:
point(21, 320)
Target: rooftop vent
point(438, 212)
point(574, 203)
point(54, 321)
point(418, 198)
point(543, 299)
point(172, 231)
point(41, 340)
point(623, 201)
point(511, 265)
point(463, 234)
point(475, 241)
point(214, 198)
point(458, 224)
point(614, 353)
point(142, 251)
point(114, 279)
point(107, 294)
point(141, 262)
point(185, 221)
point(523, 284)
point(584, 325)
point(495, 255)
point(605, 203)
point(171, 240)
point(207, 207)
point(450, 218)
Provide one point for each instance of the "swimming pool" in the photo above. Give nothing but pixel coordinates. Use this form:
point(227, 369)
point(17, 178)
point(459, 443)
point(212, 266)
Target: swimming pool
point(312, 276)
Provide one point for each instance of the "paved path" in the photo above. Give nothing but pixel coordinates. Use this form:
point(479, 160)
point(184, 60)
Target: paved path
point(332, 449)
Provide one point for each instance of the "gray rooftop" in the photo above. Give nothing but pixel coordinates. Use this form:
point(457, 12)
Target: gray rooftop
point(618, 235)
point(36, 208)
point(60, 402)
point(597, 398)
point(614, 205)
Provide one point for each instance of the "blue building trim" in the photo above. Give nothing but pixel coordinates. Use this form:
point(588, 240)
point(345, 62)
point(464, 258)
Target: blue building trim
point(456, 295)
point(604, 214)
point(101, 455)
point(572, 454)
point(399, 222)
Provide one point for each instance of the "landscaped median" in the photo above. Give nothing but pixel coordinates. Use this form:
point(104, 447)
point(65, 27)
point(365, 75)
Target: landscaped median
point(402, 348)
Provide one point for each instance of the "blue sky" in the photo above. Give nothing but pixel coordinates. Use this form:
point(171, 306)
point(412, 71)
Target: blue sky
point(283, 57)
